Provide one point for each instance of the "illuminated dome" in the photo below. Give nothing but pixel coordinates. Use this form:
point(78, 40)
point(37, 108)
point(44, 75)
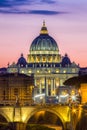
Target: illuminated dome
point(44, 49)
point(44, 42)
point(22, 61)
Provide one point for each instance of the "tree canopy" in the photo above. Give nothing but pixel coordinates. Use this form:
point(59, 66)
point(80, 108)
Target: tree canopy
point(76, 80)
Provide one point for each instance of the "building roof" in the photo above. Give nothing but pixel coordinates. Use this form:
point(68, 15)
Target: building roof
point(21, 61)
point(66, 61)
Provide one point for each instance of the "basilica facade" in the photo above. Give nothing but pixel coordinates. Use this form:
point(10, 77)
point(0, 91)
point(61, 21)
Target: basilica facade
point(49, 67)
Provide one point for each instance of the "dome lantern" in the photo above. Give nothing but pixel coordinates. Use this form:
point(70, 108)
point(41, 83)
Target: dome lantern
point(44, 29)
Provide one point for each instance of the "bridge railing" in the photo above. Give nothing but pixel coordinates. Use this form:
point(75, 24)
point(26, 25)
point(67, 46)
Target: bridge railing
point(26, 103)
point(19, 102)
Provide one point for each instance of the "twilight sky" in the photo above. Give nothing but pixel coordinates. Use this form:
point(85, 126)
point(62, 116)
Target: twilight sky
point(21, 21)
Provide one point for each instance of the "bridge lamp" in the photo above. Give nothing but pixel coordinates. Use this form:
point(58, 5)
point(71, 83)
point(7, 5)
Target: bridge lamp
point(73, 97)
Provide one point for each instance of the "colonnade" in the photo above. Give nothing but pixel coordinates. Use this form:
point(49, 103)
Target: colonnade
point(49, 88)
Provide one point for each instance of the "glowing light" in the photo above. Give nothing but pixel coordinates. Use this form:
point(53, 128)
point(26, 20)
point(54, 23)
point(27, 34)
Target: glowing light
point(41, 113)
point(37, 71)
point(39, 95)
point(79, 91)
point(73, 92)
point(23, 71)
point(57, 84)
point(74, 110)
point(57, 97)
point(23, 118)
point(53, 92)
point(29, 71)
point(57, 71)
point(64, 71)
point(49, 71)
point(73, 97)
point(66, 95)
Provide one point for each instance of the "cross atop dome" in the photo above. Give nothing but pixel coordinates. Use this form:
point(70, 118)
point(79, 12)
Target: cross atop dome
point(43, 23)
point(44, 29)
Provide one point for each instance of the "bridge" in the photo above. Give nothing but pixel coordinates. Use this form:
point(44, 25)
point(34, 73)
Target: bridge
point(20, 115)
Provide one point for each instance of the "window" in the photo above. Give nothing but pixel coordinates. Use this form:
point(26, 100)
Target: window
point(38, 71)
point(29, 71)
point(57, 71)
point(15, 91)
point(64, 71)
point(22, 71)
point(73, 70)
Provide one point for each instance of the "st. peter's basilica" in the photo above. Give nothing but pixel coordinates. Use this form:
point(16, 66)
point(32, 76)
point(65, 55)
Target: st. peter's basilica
point(49, 67)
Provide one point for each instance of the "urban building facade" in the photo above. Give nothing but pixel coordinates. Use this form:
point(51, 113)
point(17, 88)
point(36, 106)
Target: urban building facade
point(16, 89)
point(49, 67)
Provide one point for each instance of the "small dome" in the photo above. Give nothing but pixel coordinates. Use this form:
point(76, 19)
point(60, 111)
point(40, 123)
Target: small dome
point(22, 61)
point(44, 42)
point(66, 61)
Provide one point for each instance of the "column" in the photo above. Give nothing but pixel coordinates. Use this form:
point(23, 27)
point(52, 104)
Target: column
point(40, 87)
point(41, 58)
point(46, 87)
point(54, 86)
point(61, 82)
point(51, 86)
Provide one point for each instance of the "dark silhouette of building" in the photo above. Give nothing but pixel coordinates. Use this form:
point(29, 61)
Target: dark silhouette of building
point(15, 87)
